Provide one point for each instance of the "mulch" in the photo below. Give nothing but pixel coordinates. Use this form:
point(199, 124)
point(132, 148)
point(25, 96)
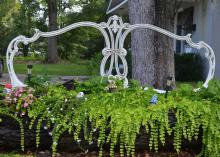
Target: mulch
point(46, 153)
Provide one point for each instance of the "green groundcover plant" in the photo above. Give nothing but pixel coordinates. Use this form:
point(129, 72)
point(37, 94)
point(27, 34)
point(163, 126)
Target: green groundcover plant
point(94, 113)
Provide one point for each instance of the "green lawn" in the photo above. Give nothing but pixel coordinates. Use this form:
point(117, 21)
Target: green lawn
point(55, 69)
point(14, 155)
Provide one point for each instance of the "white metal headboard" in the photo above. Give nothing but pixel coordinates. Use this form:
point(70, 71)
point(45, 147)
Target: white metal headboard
point(114, 32)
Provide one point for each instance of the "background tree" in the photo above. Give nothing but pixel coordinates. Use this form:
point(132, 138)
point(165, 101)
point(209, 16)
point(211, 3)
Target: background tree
point(142, 41)
point(165, 11)
point(152, 53)
point(52, 56)
point(7, 9)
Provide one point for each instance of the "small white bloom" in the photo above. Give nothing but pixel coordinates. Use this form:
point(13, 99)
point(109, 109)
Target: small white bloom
point(146, 88)
point(45, 127)
point(50, 133)
point(66, 100)
point(94, 130)
point(78, 140)
point(61, 109)
point(80, 95)
point(55, 143)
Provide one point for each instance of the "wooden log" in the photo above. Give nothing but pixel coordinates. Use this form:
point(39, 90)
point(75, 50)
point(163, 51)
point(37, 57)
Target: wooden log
point(10, 140)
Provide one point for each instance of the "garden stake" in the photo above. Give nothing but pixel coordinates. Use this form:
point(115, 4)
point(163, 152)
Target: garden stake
point(168, 85)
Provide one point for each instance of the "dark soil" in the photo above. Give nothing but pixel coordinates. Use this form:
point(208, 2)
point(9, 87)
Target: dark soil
point(187, 153)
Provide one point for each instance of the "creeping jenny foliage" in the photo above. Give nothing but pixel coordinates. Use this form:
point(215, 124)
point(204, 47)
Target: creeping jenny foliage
point(117, 118)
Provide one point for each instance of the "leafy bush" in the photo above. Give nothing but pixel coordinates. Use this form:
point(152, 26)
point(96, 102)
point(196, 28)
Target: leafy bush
point(188, 67)
point(95, 64)
point(117, 118)
point(32, 59)
point(19, 100)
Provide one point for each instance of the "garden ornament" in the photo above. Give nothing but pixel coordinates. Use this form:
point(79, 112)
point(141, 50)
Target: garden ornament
point(111, 86)
point(29, 72)
point(168, 85)
point(153, 100)
point(7, 88)
point(114, 32)
point(80, 95)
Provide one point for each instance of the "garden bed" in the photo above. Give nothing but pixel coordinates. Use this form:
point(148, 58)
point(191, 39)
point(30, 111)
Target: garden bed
point(123, 121)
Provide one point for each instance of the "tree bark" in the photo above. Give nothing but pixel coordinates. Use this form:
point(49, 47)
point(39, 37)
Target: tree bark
point(164, 53)
point(52, 56)
point(142, 41)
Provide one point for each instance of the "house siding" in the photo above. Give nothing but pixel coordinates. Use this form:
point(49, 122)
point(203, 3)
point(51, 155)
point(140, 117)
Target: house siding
point(215, 38)
point(207, 20)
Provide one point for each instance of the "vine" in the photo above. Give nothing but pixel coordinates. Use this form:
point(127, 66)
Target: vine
point(116, 118)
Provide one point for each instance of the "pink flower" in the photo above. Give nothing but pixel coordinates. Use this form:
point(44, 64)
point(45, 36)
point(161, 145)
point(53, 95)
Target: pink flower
point(25, 105)
point(20, 89)
point(15, 100)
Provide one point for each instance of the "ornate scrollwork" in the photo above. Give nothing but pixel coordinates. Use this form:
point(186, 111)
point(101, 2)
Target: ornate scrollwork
point(114, 33)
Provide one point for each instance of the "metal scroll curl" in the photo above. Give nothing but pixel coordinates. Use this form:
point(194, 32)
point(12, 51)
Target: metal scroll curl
point(114, 32)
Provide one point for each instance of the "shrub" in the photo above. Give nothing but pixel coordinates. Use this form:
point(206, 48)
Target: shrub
point(188, 67)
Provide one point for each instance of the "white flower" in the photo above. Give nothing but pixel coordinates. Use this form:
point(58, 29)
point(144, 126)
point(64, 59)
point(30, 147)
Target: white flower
point(55, 143)
point(146, 88)
point(45, 127)
point(61, 109)
point(78, 140)
point(66, 100)
point(80, 95)
point(50, 133)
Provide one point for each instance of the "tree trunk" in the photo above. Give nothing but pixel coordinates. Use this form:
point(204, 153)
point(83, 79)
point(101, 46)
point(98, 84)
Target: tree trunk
point(52, 56)
point(164, 61)
point(142, 41)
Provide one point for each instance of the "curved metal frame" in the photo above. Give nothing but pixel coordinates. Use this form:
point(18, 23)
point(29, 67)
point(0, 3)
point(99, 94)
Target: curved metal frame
point(114, 32)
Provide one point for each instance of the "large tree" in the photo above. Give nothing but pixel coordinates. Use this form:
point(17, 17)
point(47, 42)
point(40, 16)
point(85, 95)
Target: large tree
point(152, 53)
point(52, 56)
point(142, 43)
point(165, 11)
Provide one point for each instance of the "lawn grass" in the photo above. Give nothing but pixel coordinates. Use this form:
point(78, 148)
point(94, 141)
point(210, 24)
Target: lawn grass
point(14, 155)
point(54, 69)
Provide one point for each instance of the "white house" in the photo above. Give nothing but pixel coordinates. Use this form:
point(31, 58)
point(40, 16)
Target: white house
point(201, 18)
